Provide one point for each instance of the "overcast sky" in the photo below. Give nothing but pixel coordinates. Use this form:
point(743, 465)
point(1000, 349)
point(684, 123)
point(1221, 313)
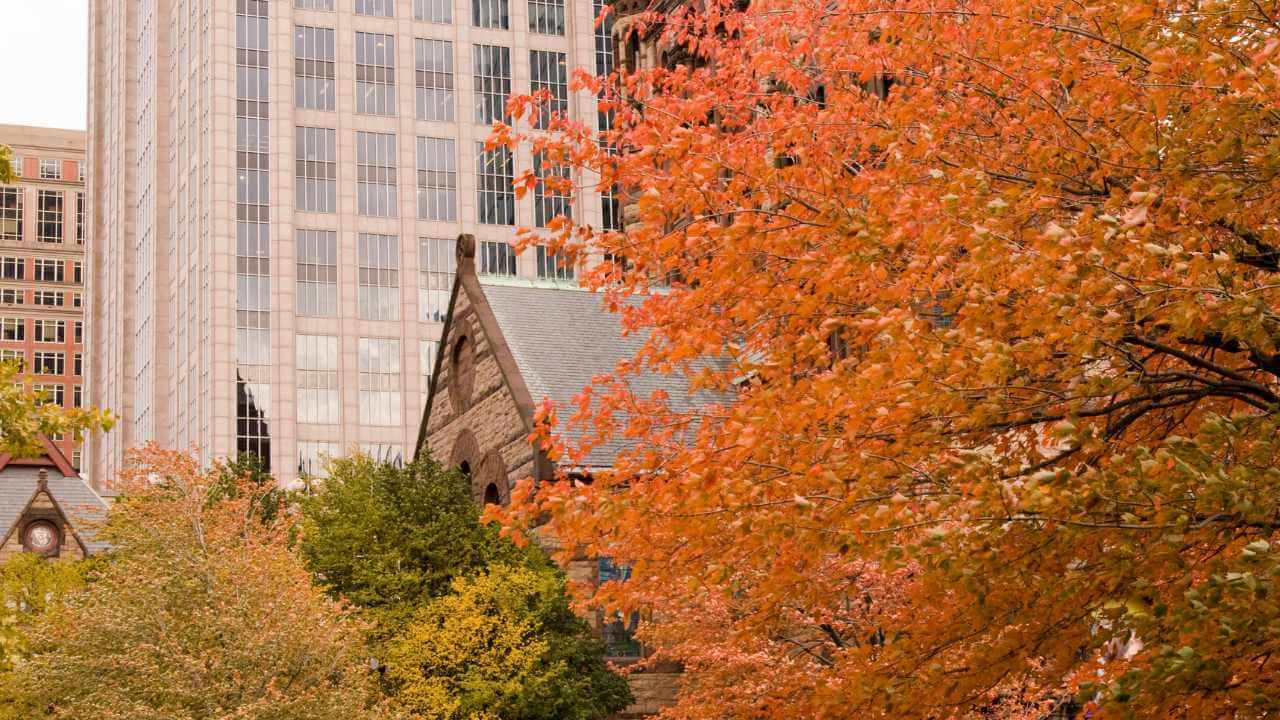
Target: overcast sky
point(44, 45)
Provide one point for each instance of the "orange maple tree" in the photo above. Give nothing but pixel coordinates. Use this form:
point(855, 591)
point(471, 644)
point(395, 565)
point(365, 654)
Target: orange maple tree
point(989, 290)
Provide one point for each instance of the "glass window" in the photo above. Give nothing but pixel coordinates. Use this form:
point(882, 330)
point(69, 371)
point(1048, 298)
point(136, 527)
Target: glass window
point(11, 214)
point(77, 396)
point(386, 453)
point(49, 216)
point(253, 405)
point(50, 331)
point(77, 272)
point(436, 267)
point(553, 266)
point(14, 356)
point(437, 179)
point(546, 17)
point(379, 276)
point(50, 394)
point(48, 362)
point(314, 4)
point(78, 366)
point(379, 381)
point(376, 174)
point(48, 298)
point(12, 268)
point(10, 296)
point(618, 632)
point(13, 329)
point(78, 336)
point(253, 295)
point(495, 198)
point(377, 8)
point(79, 218)
point(317, 253)
point(314, 72)
point(490, 14)
point(49, 270)
point(492, 83)
point(550, 190)
point(427, 350)
point(50, 169)
point(549, 73)
point(433, 79)
point(436, 11)
point(497, 258)
point(313, 458)
point(317, 363)
point(375, 74)
point(316, 169)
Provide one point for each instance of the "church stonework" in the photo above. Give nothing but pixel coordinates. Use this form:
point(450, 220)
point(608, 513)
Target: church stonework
point(480, 406)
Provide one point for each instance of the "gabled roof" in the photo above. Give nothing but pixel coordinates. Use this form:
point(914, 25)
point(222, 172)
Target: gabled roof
point(84, 509)
point(557, 338)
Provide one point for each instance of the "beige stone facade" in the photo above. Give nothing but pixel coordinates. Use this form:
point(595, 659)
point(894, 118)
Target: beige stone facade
point(276, 185)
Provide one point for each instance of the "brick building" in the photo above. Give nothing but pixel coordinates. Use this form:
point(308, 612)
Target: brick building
point(42, 250)
point(497, 362)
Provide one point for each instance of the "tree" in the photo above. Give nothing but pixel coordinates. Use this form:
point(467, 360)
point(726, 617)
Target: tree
point(466, 624)
point(201, 611)
point(25, 415)
point(991, 293)
point(389, 539)
point(29, 584)
point(6, 163)
point(503, 644)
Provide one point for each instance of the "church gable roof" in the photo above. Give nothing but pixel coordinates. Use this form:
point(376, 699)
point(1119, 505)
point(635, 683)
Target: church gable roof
point(83, 509)
point(554, 339)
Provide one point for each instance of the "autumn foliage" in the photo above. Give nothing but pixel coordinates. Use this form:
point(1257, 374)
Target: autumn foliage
point(991, 290)
point(201, 611)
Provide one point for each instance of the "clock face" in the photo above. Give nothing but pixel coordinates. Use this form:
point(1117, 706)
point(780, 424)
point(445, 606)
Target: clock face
point(42, 536)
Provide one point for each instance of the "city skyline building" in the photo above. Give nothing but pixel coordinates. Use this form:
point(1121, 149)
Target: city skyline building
point(43, 237)
point(277, 186)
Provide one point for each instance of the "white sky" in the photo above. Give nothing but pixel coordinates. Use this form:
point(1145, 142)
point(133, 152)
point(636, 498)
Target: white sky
point(44, 45)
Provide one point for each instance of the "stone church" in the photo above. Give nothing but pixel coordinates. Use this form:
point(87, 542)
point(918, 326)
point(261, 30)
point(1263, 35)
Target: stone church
point(503, 351)
point(46, 508)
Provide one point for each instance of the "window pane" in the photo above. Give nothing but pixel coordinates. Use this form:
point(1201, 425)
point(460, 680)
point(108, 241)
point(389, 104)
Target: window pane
point(437, 179)
point(546, 17)
point(433, 79)
point(495, 198)
point(375, 74)
point(437, 264)
point(379, 291)
point(492, 67)
point(317, 260)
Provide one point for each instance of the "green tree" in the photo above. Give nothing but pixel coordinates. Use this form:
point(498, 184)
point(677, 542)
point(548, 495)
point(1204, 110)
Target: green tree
point(201, 611)
point(29, 584)
point(468, 625)
point(390, 539)
point(503, 644)
point(6, 164)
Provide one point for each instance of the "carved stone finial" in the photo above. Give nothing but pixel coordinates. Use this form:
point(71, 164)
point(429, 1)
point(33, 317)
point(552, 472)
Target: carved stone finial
point(43, 479)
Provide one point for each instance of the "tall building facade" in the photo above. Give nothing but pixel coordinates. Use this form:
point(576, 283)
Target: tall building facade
point(276, 185)
point(43, 237)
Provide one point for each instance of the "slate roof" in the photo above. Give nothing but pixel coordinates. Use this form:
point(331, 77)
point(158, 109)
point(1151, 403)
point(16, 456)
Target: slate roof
point(85, 509)
point(561, 337)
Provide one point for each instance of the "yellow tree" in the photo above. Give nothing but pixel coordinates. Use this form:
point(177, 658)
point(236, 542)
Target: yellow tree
point(989, 288)
point(201, 611)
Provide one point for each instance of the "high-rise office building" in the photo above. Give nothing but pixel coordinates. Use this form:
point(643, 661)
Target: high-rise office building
point(275, 187)
point(42, 250)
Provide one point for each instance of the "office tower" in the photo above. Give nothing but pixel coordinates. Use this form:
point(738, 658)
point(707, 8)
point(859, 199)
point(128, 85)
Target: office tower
point(277, 186)
point(42, 251)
